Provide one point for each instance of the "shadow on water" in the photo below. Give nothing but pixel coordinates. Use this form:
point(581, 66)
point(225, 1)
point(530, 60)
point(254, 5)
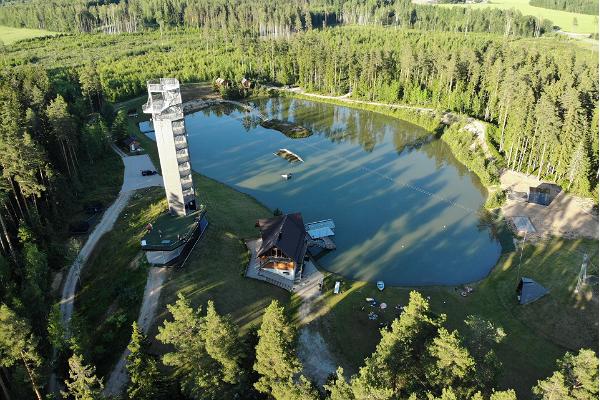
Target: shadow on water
point(404, 208)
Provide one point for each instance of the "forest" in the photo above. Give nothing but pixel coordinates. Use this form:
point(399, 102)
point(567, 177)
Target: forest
point(540, 96)
point(264, 17)
point(542, 101)
point(578, 6)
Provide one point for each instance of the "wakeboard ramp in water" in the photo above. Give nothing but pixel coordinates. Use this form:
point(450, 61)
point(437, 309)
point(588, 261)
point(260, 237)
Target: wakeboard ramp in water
point(288, 155)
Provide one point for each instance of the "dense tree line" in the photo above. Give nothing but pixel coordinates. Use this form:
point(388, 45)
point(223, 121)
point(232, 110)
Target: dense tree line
point(51, 131)
point(416, 358)
point(542, 104)
point(262, 17)
point(577, 6)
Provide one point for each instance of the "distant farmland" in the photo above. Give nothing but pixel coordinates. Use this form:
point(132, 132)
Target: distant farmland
point(9, 35)
point(563, 19)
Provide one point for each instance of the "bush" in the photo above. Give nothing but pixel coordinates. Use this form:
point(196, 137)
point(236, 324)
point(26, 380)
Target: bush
point(496, 199)
point(461, 144)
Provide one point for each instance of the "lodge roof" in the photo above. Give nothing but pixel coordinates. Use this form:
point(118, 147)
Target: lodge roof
point(285, 232)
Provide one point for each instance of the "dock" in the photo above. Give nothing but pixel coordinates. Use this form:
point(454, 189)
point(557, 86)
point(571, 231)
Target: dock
point(321, 233)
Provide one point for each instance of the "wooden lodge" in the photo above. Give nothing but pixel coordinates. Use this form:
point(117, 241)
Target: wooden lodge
point(283, 247)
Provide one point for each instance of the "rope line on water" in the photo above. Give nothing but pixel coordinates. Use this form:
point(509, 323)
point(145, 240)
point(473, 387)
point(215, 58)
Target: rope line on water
point(402, 183)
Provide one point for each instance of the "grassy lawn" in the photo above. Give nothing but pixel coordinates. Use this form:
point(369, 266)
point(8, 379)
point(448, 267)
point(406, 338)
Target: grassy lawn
point(10, 35)
point(537, 334)
point(214, 270)
point(563, 19)
point(112, 287)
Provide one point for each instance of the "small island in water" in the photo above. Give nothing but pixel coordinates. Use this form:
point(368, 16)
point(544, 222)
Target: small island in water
point(289, 129)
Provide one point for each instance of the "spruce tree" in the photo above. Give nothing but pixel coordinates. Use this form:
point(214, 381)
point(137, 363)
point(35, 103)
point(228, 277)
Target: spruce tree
point(82, 383)
point(396, 366)
point(200, 375)
point(276, 359)
point(17, 344)
point(144, 376)
point(222, 343)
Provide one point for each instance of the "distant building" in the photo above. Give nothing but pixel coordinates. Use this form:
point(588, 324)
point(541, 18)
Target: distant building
point(220, 82)
point(164, 103)
point(283, 247)
point(246, 83)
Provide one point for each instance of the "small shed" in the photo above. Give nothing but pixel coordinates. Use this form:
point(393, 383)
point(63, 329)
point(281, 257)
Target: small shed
point(529, 291)
point(246, 83)
point(220, 82)
point(539, 195)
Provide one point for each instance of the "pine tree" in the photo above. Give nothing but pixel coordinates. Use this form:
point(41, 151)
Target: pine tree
point(199, 374)
point(222, 343)
point(576, 378)
point(339, 389)
point(276, 361)
point(451, 363)
point(82, 383)
point(396, 365)
point(17, 344)
point(504, 395)
point(144, 376)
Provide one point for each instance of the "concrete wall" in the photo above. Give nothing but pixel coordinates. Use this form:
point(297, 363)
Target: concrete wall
point(169, 166)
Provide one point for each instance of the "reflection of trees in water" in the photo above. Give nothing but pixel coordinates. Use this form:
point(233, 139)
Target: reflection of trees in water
point(343, 124)
point(441, 153)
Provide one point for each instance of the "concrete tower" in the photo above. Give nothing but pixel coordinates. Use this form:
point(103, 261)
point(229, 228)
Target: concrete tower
point(164, 103)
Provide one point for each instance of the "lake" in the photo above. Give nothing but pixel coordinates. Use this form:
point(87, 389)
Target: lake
point(406, 211)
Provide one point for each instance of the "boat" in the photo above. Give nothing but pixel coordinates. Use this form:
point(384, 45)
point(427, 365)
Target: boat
point(286, 176)
point(380, 285)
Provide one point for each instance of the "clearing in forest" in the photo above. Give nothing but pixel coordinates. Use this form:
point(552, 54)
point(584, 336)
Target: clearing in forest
point(10, 35)
point(567, 21)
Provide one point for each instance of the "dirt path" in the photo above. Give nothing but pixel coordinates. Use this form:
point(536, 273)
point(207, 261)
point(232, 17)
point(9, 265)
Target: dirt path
point(345, 98)
point(317, 360)
point(132, 181)
point(156, 279)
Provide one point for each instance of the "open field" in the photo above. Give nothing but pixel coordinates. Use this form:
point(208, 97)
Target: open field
point(585, 23)
point(10, 35)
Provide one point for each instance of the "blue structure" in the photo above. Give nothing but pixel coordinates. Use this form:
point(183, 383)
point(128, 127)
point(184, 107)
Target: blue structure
point(529, 291)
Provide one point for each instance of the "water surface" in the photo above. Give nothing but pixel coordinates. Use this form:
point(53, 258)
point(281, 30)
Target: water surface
point(405, 210)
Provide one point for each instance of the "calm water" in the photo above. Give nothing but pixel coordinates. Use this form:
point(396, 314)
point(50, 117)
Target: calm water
point(405, 210)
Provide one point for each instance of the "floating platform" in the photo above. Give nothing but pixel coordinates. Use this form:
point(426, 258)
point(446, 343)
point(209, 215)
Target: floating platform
point(288, 155)
point(289, 129)
point(321, 233)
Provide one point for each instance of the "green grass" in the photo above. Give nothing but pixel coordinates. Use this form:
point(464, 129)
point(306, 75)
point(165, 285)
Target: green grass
point(537, 334)
point(112, 286)
point(563, 19)
point(214, 270)
point(10, 35)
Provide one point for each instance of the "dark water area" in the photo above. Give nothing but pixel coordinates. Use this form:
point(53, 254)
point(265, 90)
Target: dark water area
point(406, 212)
